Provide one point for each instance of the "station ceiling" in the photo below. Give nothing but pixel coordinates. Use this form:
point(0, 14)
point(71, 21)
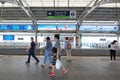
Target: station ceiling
point(105, 12)
point(58, 3)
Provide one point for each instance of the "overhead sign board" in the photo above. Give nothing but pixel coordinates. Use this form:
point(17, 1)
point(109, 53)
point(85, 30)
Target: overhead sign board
point(61, 14)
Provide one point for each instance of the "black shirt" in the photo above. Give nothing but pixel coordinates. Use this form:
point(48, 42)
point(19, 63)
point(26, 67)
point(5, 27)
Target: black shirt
point(32, 47)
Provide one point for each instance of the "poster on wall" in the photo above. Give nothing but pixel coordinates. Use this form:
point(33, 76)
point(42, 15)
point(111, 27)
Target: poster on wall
point(8, 37)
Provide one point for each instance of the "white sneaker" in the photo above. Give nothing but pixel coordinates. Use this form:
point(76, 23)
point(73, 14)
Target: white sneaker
point(111, 61)
point(43, 65)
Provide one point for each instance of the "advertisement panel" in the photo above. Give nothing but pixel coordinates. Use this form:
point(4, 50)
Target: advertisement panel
point(99, 28)
point(16, 27)
point(60, 27)
point(8, 37)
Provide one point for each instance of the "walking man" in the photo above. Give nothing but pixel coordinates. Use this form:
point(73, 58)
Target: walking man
point(31, 50)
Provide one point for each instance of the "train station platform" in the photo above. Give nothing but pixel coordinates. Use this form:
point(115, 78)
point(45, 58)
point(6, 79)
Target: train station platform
point(80, 68)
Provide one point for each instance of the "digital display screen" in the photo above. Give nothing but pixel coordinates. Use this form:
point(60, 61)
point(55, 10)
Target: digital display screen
point(27, 27)
point(8, 37)
point(4, 27)
point(15, 27)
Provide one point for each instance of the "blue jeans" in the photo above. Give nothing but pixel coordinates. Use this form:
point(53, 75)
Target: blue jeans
point(47, 54)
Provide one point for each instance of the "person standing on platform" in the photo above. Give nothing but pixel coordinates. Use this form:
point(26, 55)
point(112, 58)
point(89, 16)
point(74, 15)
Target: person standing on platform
point(68, 49)
point(56, 55)
point(48, 48)
point(31, 50)
point(113, 48)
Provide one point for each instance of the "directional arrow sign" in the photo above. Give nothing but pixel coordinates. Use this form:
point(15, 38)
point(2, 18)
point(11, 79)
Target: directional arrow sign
point(60, 14)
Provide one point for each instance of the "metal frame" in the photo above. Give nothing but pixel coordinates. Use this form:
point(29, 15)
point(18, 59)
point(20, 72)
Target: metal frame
point(85, 13)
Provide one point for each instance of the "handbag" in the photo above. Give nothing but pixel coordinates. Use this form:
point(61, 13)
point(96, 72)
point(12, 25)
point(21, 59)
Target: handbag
point(58, 64)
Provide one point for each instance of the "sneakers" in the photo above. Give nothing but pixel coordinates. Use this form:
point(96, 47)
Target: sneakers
point(51, 74)
point(50, 66)
point(64, 71)
point(42, 65)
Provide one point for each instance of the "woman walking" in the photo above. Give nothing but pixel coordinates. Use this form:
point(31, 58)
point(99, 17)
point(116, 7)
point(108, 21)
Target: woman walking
point(47, 52)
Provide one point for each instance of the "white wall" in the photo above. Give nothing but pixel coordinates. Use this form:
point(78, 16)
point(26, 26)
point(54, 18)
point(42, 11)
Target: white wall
point(16, 43)
point(95, 42)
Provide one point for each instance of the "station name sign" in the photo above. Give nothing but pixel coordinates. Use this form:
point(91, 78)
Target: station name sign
point(61, 14)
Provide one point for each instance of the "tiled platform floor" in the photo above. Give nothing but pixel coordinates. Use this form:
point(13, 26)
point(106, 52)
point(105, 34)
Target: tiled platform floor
point(81, 68)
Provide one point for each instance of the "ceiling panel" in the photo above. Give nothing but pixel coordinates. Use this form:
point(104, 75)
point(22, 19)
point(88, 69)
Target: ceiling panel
point(58, 3)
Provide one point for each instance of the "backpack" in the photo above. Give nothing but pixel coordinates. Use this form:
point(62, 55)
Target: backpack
point(68, 46)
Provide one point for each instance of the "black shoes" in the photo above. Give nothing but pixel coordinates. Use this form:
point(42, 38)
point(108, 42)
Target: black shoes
point(37, 62)
point(50, 67)
point(27, 62)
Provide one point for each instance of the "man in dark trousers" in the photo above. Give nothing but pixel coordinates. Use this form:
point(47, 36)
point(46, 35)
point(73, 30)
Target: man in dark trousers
point(31, 50)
